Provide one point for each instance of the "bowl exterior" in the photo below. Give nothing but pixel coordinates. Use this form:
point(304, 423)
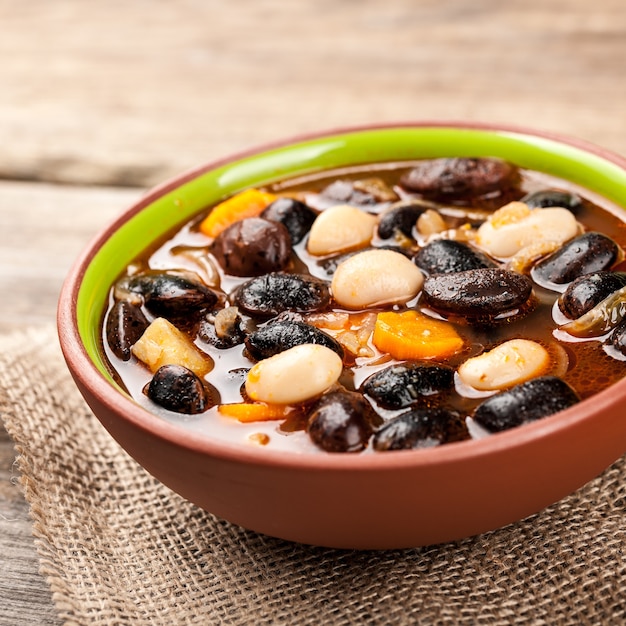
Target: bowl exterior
point(382, 507)
point(389, 501)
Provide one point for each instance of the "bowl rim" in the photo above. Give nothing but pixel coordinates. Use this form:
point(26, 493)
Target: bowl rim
point(87, 375)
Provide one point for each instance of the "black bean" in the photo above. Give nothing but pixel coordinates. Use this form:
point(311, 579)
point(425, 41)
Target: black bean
point(124, 326)
point(547, 198)
point(617, 339)
point(445, 256)
point(588, 290)
point(400, 386)
point(480, 293)
point(274, 293)
point(359, 192)
point(420, 428)
point(178, 389)
point(294, 215)
point(279, 336)
point(400, 218)
point(590, 252)
point(252, 247)
point(453, 177)
point(231, 336)
point(343, 191)
point(341, 422)
point(525, 403)
point(171, 295)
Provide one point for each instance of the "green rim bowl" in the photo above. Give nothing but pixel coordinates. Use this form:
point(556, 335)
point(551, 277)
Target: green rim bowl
point(392, 500)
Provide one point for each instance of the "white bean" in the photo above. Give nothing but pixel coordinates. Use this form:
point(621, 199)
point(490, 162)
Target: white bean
point(508, 364)
point(295, 375)
point(339, 229)
point(376, 277)
point(515, 226)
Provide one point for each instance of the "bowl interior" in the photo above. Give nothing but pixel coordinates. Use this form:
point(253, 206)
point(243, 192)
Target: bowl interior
point(177, 202)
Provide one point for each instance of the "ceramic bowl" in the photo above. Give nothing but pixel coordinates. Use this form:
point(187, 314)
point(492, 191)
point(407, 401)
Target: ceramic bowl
point(376, 501)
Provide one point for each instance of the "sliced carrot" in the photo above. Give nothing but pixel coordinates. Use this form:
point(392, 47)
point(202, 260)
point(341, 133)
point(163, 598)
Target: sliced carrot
point(412, 335)
point(255, 411)
point(248, 203)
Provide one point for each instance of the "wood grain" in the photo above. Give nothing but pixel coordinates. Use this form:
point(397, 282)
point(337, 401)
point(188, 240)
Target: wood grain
point(23, 593)
point(42, 230)
point(131, 92)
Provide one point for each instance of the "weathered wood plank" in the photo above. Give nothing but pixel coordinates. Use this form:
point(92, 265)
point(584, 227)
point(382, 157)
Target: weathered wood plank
point(24, 597)
point(42, 230)
point(133, 92)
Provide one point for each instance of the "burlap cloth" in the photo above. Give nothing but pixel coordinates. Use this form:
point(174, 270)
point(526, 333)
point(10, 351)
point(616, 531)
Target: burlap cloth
point(117, 547)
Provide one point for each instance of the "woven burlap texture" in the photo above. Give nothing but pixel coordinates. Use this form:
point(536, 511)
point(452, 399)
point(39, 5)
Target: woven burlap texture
point(117, 547)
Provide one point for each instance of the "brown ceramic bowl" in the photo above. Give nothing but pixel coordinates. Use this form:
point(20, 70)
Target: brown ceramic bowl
point(390, 500)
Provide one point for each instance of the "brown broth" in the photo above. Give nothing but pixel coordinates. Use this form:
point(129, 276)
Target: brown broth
point(588, 368)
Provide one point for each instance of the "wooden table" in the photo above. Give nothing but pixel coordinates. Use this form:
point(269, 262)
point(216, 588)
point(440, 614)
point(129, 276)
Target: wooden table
point(98, 101)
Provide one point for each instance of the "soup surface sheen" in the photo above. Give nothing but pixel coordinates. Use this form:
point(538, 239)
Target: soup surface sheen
point(368, 196)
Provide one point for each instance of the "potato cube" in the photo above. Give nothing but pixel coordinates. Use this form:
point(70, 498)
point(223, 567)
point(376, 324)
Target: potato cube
point(163, 344)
